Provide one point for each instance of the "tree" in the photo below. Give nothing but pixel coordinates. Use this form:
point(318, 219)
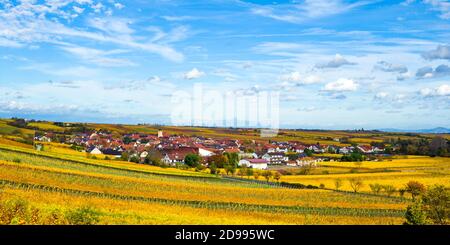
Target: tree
point(415, 188)
point(232, 158)
point(308, 152)
point(154, 157)
point(437, 146)
point(437, 204)
point(267, 175)
point(356, 184)
point(415, 214)
point(192, 160)
point(375, 188)
point(432, 208)
point(219, 160)
point(277, 176)
point(256, 175)
point(249, 172)
point(338, 184)
point(242, 172)
point(213, 169)
point(389, 189)
point(230, 169)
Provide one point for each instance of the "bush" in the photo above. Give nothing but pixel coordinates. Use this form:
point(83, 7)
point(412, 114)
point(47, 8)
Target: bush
point(16, 160)
point(389, 189)
point(18, 212)
point(375, 188)
point(415, 215)
point(432, 208)
point(83, 216)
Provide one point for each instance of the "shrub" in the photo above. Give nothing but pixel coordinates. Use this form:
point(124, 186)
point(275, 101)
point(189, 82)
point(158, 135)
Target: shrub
point(83, 216)
point(356, 184)
point(375, 188)
point(415, 215)
point(389, 189)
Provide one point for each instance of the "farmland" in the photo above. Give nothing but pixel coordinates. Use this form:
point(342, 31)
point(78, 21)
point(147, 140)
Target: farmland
point(138, 194)
point(58, 184)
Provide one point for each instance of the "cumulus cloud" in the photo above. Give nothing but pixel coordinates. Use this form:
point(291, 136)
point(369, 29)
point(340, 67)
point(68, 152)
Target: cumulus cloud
point(381, 95)
point(442, 90)
point(336, 62)
point(295, 78)
point(404, 76)
point(193, 74)
point(388, 67)
point(441, 52)
point(341, 85)
point(429, 72)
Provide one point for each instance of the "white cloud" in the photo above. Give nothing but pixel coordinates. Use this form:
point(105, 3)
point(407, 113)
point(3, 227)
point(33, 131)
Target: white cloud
point(193, 74)
point(34, 22)
point(98, 57)
point(292, 77)
point(381, 95)
point(112, 25)
point(388, 67)
point(442, 90)
point(308, 9)
point(336, 62)
point(296, 78)
point(441, 52)
point(429, 72)
point(119, 6)
point(10, 43)
point(341, 85)
point(78, 9)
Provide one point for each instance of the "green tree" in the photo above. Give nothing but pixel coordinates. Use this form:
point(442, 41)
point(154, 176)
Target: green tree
point(230, 169)
point(437, 204)
point(249, 172)
point(192, 160)
point(213, 168)
point(415, 214)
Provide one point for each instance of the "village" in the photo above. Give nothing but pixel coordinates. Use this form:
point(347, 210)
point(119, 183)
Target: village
point(172, 150)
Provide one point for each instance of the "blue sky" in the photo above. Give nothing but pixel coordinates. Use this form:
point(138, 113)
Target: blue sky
point(337, 64)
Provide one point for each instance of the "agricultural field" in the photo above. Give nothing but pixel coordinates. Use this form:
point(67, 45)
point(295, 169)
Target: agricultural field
point(59, 185)
point(396, 172)
point(48, 186)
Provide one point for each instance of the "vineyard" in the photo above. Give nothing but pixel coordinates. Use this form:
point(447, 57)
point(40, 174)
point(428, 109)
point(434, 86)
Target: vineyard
point(46, 185)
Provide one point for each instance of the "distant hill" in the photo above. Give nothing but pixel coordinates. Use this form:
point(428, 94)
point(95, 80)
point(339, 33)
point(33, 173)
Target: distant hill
point(438, 130)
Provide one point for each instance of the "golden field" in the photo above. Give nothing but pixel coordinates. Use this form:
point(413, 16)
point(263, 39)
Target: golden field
point(126, 193)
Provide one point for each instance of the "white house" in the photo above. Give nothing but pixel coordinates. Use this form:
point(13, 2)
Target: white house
point(254, 163)
point(144, 154)
point(204, 152)
point(95, 151)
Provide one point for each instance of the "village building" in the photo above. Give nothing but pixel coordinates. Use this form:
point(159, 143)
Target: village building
point(254, 163)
